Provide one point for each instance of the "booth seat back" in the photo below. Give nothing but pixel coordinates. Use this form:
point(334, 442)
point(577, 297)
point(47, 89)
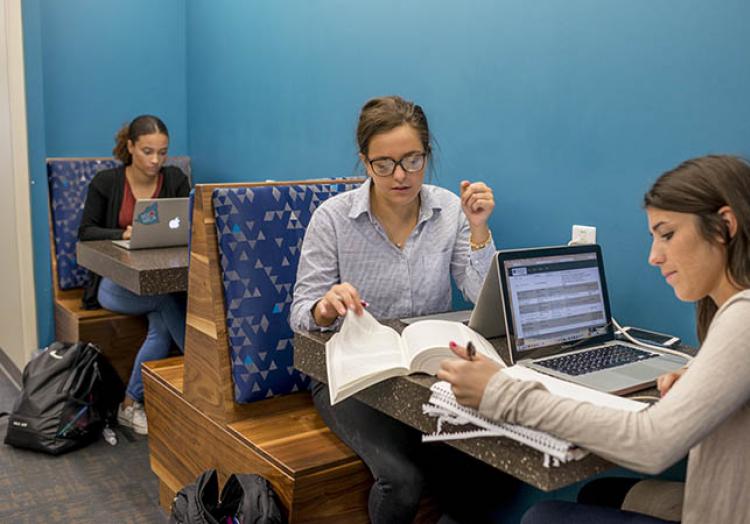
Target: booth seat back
point(69, 180)
point(259, 234)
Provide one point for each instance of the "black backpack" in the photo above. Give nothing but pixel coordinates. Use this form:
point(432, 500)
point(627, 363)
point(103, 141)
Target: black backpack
point(245, 499)
point(68, 393)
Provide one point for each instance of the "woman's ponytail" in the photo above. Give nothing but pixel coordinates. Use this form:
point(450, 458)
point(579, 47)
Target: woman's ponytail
point(120, 150)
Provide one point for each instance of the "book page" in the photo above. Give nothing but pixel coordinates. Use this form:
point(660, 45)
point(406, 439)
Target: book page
point(426, 343)
point(566, 389)
point(362, 353)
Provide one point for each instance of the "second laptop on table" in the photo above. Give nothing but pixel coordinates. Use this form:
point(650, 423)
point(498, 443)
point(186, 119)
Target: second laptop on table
point(158, 222)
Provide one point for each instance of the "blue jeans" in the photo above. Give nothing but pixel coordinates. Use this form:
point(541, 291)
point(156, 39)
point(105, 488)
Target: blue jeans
point(166, 322)
point(559, 512)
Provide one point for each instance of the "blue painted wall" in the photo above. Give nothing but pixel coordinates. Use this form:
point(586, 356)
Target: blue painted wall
point(106, 62)
point(90, 67)
point(568, 109)
point(31, 14)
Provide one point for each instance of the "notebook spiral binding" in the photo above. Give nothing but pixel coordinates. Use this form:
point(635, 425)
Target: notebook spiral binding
point(447, 410)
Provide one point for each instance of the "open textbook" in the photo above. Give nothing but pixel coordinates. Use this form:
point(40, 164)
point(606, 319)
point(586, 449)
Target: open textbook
point(366, 352)
point(455, 421)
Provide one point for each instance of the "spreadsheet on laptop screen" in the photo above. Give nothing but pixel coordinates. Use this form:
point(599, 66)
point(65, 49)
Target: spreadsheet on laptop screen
point(555, 299)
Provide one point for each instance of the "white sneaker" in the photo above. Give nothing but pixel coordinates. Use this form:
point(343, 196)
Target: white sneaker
point(133, 416)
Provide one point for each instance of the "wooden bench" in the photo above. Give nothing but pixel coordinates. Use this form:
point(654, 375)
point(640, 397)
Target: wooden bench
point(195, 423)
point(119, 336)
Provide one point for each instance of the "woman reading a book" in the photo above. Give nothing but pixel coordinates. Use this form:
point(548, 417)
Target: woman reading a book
point(142, 147)
point(394, 242)
point(699, 217)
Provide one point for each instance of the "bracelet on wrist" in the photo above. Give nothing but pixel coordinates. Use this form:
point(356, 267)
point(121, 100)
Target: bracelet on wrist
point(476, 246)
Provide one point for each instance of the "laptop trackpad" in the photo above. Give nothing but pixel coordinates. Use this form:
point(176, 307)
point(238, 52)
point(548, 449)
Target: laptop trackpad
point(654, 367)
point(640, 372)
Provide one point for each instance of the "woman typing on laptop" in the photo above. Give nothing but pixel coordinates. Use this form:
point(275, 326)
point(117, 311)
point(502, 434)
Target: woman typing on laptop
point(699, 218)
point(108, 215)
point(394, 242)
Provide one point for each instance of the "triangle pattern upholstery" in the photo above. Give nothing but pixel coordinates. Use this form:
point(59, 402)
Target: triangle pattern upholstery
point(259, 233)
point(69, 180)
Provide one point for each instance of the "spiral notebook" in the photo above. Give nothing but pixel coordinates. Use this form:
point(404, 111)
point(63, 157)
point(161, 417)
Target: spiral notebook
point(444, 407)
point(455, 421)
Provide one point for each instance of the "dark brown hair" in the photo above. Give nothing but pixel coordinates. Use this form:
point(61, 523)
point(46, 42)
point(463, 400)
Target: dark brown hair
point(701, 187)
point(382, 114)
point(141, 125)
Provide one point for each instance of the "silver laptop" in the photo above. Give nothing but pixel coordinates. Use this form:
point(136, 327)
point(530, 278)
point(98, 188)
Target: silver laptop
point(158, 222)
point(487, 317)
point(558, 321)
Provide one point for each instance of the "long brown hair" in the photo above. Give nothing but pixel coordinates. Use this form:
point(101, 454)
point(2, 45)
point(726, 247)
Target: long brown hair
point(701, 186)
point(141, 125)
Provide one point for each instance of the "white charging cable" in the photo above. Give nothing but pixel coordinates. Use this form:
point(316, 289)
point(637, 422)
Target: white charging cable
point(646, 345)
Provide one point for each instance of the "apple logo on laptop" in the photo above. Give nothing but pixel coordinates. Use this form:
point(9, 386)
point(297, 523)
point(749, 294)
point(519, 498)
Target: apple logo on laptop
point(174, 223)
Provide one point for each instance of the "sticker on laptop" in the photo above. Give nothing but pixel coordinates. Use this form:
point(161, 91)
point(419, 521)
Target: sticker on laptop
point(148, 216)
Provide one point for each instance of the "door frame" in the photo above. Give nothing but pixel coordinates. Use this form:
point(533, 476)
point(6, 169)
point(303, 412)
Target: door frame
point(21, 178)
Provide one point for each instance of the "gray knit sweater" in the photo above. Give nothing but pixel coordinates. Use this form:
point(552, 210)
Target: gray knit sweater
point(706, 413)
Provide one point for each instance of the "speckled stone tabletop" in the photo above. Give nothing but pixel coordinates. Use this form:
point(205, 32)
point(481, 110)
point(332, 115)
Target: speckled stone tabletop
point(402, 398)
point(143, 271)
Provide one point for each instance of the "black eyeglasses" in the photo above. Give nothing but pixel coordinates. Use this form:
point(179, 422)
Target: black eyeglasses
point(386, 166)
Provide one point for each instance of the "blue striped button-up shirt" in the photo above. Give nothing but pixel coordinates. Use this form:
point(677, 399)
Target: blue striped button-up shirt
point(344, 242)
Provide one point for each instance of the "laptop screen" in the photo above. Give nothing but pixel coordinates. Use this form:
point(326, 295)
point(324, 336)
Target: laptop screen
point(554, 297)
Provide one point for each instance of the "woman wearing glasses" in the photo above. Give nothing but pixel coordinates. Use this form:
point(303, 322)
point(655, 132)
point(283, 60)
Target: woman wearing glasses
point(394, 242)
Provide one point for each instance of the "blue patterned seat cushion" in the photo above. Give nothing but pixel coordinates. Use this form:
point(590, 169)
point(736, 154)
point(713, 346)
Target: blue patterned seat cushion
point(68, 184)
point(260, 231)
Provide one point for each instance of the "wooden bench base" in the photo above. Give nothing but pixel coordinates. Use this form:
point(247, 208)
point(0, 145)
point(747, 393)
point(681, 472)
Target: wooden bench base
point(118, 336)
point(317, 477)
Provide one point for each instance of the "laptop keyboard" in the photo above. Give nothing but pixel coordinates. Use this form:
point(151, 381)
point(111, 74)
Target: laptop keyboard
point(595, 360)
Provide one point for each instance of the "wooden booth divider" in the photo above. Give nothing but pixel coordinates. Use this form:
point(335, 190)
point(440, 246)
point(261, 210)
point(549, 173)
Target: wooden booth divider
point(195, 424)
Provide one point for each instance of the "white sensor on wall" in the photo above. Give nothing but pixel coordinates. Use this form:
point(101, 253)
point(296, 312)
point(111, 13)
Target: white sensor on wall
point(582, 235)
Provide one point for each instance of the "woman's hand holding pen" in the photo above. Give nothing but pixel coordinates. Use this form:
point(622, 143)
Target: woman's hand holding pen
point(467, 375)
point(336, 302)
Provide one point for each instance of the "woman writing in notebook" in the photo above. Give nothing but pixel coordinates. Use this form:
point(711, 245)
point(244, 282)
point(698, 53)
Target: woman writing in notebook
point(141, 146)
point(699, 217)
point(394, 242)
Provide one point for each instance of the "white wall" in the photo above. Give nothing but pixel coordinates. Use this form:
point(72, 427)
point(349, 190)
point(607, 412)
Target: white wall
point(18, 337)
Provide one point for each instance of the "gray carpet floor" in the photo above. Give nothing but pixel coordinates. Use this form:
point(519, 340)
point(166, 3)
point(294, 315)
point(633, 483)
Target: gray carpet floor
point(98, 483)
